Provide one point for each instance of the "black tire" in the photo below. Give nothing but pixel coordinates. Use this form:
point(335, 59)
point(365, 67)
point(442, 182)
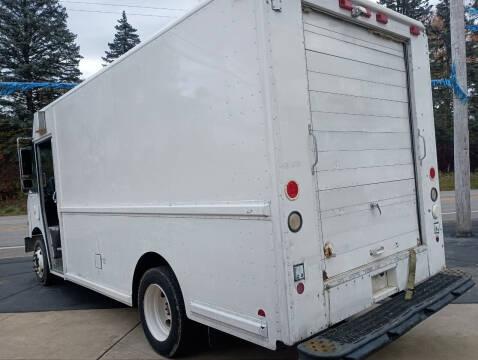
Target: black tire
point(181, 328)
point(44, 276)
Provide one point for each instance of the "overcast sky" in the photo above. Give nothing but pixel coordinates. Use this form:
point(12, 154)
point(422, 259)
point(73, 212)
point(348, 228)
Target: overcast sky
point(93, 22)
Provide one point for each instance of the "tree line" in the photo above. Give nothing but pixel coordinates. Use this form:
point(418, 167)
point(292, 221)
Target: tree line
point(437, 22)
point(37, 46)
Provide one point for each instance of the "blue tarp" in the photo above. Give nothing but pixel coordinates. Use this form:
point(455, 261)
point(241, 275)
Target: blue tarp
point(8, 88)
point(473, 28)
point(472, 11)
point(452, 83)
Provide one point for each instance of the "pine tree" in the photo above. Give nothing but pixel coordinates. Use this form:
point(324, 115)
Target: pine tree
point(35, 46)
point(416, 9)
point(125, 39)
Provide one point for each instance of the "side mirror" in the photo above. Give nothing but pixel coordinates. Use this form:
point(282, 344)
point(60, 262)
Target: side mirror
point(25, 158)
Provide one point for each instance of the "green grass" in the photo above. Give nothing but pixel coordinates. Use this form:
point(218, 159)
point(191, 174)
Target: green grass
point(447, 182)
point(13, 207)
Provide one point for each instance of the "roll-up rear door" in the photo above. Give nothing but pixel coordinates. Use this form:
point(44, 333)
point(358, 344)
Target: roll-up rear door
point(365, 174)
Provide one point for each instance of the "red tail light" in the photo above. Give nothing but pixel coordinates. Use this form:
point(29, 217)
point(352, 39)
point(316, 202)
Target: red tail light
point(346, 4)
point(382, 18)
point(292, 190)
point(414, 30)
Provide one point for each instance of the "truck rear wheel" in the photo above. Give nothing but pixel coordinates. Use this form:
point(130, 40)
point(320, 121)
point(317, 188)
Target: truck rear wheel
point(40, 263)
point(162, 311)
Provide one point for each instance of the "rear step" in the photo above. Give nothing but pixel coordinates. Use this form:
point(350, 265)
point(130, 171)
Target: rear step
point(358, 337)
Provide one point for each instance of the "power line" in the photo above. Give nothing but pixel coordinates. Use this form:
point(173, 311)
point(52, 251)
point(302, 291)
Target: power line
point(115, 12)
point(120, 5)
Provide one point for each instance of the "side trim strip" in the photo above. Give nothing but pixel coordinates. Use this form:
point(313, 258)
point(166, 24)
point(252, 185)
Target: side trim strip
point(247, 208)
point(246, 323)
point(125, 299)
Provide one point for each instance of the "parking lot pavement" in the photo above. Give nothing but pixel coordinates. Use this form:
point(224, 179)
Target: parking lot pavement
point(115, 334)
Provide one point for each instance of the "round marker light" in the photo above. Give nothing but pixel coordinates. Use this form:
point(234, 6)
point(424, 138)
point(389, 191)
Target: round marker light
point(435, 211)
point(261, 312)
point(434, 194)
point(432, 173)
point(292, 190)
point(295, 221)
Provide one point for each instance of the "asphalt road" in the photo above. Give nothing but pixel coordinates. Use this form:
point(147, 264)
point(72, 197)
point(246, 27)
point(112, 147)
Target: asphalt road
point(12, 230)
point(448, 205)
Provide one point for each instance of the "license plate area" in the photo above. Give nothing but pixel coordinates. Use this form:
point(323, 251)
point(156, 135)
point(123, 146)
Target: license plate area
point(384, 284)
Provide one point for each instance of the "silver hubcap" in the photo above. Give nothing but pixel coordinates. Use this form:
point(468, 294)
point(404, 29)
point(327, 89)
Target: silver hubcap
point(38, 262)
point(157, 312)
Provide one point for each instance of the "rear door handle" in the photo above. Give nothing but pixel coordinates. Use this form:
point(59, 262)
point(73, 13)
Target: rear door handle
point(424, 147)
point(376, 205)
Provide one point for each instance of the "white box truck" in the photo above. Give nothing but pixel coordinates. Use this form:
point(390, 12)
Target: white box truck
point(266, 168)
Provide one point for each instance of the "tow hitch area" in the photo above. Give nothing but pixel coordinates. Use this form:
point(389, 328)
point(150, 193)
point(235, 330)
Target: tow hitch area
point(358, 337)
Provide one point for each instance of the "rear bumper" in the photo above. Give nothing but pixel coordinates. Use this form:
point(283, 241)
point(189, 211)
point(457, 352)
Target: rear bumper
point(358, 337)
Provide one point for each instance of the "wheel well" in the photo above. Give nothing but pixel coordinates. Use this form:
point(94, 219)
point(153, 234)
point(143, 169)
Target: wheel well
point(36, 231)
point(146, 262)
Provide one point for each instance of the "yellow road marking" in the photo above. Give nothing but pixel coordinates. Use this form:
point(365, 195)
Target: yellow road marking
point(453, 198)
point(13, 228)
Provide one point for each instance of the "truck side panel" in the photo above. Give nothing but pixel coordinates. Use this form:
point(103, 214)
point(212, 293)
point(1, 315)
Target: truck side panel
point(167, 151)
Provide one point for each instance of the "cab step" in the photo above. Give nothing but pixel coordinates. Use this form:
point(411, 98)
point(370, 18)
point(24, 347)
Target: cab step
point(356, 338)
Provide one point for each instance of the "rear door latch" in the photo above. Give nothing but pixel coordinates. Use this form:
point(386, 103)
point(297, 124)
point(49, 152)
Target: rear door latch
point(377, 251)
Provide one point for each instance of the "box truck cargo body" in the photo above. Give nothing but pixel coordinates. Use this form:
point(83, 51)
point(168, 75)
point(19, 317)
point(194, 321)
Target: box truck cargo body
point(265, 168)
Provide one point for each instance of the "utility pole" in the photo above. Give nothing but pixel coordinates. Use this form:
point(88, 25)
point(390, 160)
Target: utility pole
point(460, 122)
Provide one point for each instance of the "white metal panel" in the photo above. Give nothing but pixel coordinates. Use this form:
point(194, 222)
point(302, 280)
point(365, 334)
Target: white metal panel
point(339, 160)
point(360, 115)
point(359, 227)
point(338, 29)
point(217, 262)
point(362, 35)
point(360, 195)
point(353, 122)
point(364, 176)
point(350, 50)
point(357, 141)
point(168, 151)
point(289, 108)
point(357, 105)
point(341, 85)
point(333, 65)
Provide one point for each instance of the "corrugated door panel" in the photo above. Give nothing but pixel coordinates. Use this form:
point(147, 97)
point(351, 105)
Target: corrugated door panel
point(339, 160)
point(353, 122)
point(345, 86)
point(352, 32)
point(329, 64)
point(359, 104)
point(350, 197)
